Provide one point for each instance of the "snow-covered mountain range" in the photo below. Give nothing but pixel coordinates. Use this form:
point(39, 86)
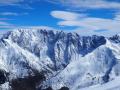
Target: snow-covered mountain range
point(56, 60)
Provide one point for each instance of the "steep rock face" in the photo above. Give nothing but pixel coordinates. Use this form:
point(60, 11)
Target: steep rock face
point(58, 46)
point(115, 38)
point(3, 77)
point(92, 69)
point(62, 58)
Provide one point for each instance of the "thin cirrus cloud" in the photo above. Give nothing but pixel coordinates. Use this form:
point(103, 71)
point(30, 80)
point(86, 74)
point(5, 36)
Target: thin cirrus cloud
point(10, 2)
point(3, 23)
point(87, 4)
point(5, 26)
point(88, 25)
point(117, 17)
point(17, 3)
point(4, 19)
point(12, 14)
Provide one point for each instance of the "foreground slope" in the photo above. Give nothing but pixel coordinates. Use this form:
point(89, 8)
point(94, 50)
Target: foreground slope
point(111, 85)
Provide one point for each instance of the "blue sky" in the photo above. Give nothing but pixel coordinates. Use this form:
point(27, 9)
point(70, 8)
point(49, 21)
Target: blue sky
point(86, 17)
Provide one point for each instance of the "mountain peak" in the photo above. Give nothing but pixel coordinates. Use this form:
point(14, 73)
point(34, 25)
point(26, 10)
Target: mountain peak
point(115, 38)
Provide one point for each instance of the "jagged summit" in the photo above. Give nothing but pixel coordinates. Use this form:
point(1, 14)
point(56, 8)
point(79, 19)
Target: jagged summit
point(115, 38)
point(55, 36)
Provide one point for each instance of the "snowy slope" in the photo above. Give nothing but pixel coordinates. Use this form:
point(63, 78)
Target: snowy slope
point(18, 64)
point(111, 85)
point(97, 67)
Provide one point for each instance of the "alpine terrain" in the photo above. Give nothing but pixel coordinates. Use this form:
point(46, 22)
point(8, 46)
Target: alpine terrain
point(40, 59)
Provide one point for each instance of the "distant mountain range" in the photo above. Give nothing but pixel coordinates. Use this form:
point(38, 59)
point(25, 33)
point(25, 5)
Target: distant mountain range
point(39, 59)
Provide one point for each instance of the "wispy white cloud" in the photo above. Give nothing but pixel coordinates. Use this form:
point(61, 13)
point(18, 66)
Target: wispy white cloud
point(87, 4)
point(6, 25)
point(89, 25)
point(17, 3)
point(117, 16)
point(66, 15)
point(5, 19)
point(9, 14)
point(12, 14)
point(3, 23)
point(10, 2)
